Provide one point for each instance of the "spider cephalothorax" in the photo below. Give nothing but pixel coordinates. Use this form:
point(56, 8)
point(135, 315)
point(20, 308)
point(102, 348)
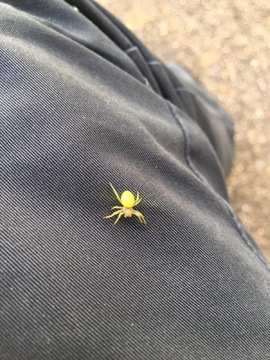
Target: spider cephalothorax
point(128, 202)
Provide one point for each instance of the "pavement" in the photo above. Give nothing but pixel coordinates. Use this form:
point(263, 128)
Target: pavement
point(226, 45)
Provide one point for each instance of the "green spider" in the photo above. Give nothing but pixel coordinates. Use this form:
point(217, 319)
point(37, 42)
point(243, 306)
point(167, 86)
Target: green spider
point(128, 201)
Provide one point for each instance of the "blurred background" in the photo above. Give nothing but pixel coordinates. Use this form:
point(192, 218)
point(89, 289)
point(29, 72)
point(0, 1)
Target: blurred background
point(226, 45)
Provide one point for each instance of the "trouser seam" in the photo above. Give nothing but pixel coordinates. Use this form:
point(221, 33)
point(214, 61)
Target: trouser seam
point(236, 222)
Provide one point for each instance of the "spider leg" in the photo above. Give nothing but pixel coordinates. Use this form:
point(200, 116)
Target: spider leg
point(115, 193)
point(113, 214)
point(141, 220)
point(140, 217)
point(138, 199)
point(117, 207)
point(118, 217)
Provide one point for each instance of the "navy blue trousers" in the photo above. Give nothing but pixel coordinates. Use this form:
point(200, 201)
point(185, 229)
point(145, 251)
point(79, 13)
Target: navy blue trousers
point(83, 103)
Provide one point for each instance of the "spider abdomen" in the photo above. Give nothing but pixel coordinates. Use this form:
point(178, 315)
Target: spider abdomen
point(127, 199)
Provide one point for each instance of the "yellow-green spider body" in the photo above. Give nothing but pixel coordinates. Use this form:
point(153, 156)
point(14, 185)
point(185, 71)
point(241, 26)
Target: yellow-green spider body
point(128, 201)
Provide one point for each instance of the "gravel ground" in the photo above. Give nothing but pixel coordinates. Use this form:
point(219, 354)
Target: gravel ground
point(226, 45)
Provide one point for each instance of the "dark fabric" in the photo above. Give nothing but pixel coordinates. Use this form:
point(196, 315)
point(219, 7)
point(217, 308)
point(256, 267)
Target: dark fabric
point(84, 103)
